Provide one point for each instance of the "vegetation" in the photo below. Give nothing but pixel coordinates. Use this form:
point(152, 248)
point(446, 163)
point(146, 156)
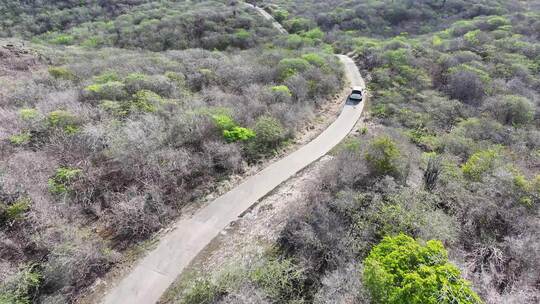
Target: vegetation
point(118, 114)
point(400, 270)
point(451, 157)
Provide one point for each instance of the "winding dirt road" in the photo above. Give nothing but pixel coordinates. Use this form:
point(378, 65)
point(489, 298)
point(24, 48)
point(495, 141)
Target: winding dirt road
point(153, 274)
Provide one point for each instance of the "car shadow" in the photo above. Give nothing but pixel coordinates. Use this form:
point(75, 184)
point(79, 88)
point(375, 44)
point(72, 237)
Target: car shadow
point(352, 102)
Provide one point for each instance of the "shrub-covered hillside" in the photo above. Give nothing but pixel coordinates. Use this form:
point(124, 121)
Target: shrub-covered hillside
point(32, 17)
point(152, 25)
point(437, 198)
point(383, 17)
point(103, 144)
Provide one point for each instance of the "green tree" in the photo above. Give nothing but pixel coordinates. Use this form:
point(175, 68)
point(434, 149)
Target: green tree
point(383, 156)
point(280, 15)
point(402, 270)
point(238, 134)
point(290, 66)
point(479, 163)
point(270, 134)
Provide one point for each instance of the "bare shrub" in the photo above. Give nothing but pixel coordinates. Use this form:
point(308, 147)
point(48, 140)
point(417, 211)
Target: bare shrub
point(466, 86)
point(342, 286)
point(74, 262)
point(132, 219)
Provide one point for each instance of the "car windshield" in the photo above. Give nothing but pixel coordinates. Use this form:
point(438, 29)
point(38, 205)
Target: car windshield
point(357, 92)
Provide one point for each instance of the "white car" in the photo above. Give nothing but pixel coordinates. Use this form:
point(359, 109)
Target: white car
point(356, 94)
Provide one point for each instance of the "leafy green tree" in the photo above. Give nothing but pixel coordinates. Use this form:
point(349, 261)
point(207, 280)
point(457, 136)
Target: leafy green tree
point(280, 15)
point(290, 66)
point(479, 163)
point(314, 59)
point(401, 270)
point(298, 24)
point(238, 134)
point(270, 132)
point(223, 121)
point(383, 156)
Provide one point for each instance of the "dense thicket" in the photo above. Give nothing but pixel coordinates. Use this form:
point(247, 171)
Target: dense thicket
point(101, 147)
point(151, 25)
point(450, 153)
point(387, 17)
point(33, 17)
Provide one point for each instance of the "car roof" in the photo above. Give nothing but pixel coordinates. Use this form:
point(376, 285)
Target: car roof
point(357, 88)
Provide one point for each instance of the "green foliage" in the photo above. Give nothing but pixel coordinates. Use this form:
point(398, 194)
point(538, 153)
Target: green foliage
point(62, 39)
point(231, 131)
point(383, 156)
point(113, 107)
point(480, 163)
point(28, 113)
point(437, 41)
point(399, 57)
point(61, 73)
point(363, 130)
point(20, 139)
point(295, 41)
point(314, 59)
point(528, 191)
point(61, 181)
point(270, 135)
point(348, 144)
point(238, 134)
point(497, 21)
point(106, 77)
point(280, 15)
point(10, 213)
point(18, 289)
point(242, 34)
point(315, 34)
point(281, 280)
point(63, 120)
point(298, 24)
point(513, 110)
point(484, 76)
point(224, 121)
point(282, 89)
point(202, 291)
point(15, 211)
point(207, 290)
point(146, 101)
point(93, 42)
point(113, 90)
point(290, 66)
point(472, 37)
point(401, 270)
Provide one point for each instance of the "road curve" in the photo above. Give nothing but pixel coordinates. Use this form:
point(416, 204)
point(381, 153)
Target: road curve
point(268, 17)
point(151, 277)
point(154, 273)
